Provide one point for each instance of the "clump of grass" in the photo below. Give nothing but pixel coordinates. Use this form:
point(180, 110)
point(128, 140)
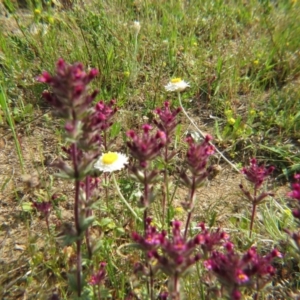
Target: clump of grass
point(9, 119)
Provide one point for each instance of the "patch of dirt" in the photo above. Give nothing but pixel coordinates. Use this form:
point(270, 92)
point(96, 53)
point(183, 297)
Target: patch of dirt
point(20, 230)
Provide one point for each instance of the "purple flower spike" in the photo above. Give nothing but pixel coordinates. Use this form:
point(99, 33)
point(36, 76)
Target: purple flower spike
point(163, 296)
point(197, 156)
point(103, 114)
point(99, 276)
point(43, 207)
point(168, 118)
point(234, 271)
point(45, 77)
point(174, 255)
point(151, 238)
point(295, 194)
point(257, 174)
point(236, 295)
point(69, 88)
point(146, 147)
point(210, 239)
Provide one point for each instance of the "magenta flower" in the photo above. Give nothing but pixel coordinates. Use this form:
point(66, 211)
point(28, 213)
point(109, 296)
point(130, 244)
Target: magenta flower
point(163, 296)
point(69, 88)
point(236, 295)
point(103, 114)
point(175, 254)
point(85, 131)
point(210, 239)
point(234, 271)
point(98, 277)
point(43, 207)
point(196, 172)
point(168, 118)
point(295, 194)
point(256, 174)
point(147, 146)
point(151, 239)
point(198, 154)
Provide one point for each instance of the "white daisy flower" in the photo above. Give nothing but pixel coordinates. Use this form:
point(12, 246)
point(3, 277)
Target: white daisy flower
point(176, 85)
point(136, 26)
point(111, 161)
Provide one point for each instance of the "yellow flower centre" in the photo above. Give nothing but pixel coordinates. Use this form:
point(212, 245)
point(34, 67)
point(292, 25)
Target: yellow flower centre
point(109, 158)
point(175, 80)
point(242, 277)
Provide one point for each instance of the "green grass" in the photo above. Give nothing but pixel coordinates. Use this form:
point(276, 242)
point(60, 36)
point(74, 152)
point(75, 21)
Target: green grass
point(241, 59)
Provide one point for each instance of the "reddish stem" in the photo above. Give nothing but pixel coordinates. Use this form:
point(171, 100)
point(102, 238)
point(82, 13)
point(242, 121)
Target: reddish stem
point(76, 216)
point(88, 214)
point(193, 190)
point(254, 204)
point(252, 218)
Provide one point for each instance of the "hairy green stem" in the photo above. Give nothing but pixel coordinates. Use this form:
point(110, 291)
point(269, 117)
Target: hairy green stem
point(124, 200)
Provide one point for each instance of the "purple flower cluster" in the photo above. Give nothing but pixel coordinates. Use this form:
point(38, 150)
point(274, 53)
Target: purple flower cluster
point(69, 88)
point(85, 124)
point(196, 159)
point(174, 255)
point(197, 156)
point(98, 277)
point(211, 239)
point(95, 124)
point(167, 119)
point(43, 207)
point(295, 194)
point(196, 171)
point(256, 174)
point(235, 271)
point(147, 146)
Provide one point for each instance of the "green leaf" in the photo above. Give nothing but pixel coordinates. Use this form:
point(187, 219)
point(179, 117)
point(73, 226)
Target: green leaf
point(217, 131)
point(106, 223)
point(85, 223)
point(115, 130)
